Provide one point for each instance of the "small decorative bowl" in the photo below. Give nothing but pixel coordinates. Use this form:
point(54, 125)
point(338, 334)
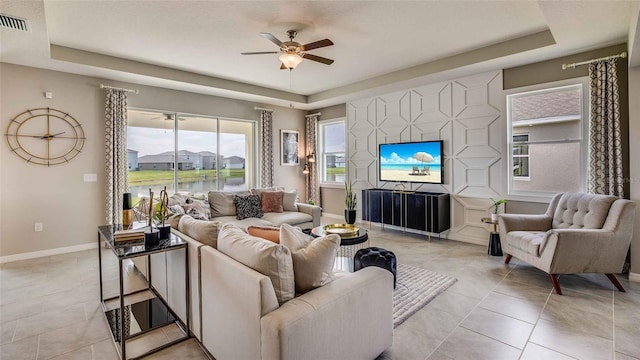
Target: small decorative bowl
point(344, 230)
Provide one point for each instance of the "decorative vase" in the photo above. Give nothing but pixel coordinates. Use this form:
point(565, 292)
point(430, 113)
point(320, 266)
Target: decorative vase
point(127, 212)
point(151, 237)
point(165, 231)
point(350, 216)
point(494, 217)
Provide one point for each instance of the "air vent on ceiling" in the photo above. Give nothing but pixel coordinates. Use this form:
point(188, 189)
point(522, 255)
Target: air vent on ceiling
point(12, 22)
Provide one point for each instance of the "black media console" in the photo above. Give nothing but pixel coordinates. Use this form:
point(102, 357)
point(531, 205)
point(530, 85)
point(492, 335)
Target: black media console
point(425, 211)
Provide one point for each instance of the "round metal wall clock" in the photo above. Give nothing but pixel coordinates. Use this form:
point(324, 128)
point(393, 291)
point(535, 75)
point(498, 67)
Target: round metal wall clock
point(45, 136)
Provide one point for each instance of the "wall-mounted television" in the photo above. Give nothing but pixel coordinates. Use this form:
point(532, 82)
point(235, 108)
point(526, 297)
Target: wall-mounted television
point(418, 162)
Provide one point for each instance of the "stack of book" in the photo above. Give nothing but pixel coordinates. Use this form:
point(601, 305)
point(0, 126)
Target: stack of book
point(129, 235)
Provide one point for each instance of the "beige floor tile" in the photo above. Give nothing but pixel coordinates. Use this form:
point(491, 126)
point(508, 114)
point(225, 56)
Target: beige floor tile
point(499, 327)
point(454, 303)
point(434, 323)
point(72, 337)
point(11, 296)
point(621, 356)
point(437, 355)
point(83, 353)
point(140, 345)
point(584, 313)
point(523, 291)
point(104, 350)
point(591, 284)
point(19, 350)
point(6, 332)
point(565, 340)
point(409, 344)
point(537, 352)
point(627, 338)
point(522, 309)
point(27, 307)
point(469, 345)
point(48, 320)
point(187, 350)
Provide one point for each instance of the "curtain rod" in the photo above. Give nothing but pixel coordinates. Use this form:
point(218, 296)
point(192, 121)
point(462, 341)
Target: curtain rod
point(102, 86)
point(314, 114)
point(262, 109)
point(573, 65)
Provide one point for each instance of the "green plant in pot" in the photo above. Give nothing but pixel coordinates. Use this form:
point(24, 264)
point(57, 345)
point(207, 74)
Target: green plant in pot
point(495, 207)
point(350, 203)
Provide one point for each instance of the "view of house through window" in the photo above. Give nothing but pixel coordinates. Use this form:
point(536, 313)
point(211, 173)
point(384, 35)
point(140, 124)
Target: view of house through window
point(546, 140)
point(204, 154)
point(331, 141)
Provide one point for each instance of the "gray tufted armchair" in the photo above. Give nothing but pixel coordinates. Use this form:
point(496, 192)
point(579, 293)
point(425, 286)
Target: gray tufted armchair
point(579, 233)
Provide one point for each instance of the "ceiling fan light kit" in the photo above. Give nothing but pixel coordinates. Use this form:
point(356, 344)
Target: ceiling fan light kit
point(292, 53)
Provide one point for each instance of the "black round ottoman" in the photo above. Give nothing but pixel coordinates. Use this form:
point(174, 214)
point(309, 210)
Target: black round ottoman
point(375, 256)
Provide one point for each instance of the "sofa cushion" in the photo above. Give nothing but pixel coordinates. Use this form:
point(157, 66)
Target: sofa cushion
point(259, 191)
point(287, 217)
point(270, 233)
point(582, 211)
point(271, 201)
point(242, 224)
point(268, 258)
point(177, 199)
point(289, 200)
point(247, 206)
point(204, 231)
point(527, 241)
point(174, 220)
point(221, 203)
point(313, 258)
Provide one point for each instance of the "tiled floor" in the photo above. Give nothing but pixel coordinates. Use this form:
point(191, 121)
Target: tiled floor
point(49, 309)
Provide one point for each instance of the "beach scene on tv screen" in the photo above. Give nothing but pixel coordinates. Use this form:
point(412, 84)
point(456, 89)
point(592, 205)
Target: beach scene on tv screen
point(415, 162)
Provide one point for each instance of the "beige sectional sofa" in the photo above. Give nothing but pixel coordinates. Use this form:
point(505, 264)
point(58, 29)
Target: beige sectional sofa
point(235, 313)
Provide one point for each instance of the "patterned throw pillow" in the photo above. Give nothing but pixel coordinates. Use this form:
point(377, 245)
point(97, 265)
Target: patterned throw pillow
point(204, 203)
point(195, 210)
point(247, 206)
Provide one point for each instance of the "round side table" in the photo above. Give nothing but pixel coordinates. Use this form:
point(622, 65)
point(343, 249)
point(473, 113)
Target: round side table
point(495, 247)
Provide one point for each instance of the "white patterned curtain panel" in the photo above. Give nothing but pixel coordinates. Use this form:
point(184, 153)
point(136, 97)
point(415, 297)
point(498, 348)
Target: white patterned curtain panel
point(605, 138)
point(266, 164)
point(115, 139)
point(313, 189)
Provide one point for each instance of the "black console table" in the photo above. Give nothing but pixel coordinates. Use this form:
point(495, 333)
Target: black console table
point(147, 314)
point(425, 211)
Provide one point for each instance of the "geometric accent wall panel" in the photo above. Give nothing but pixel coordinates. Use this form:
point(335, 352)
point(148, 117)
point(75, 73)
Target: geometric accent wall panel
point(467, 113)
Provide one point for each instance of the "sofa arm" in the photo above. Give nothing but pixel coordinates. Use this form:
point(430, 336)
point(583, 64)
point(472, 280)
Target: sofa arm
point(519, 222)
point(584, 251)
point(313, 210)
point(349, 318)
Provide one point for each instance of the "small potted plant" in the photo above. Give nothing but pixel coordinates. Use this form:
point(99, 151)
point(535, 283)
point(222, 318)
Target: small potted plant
point(350, 203)
point(496, 207)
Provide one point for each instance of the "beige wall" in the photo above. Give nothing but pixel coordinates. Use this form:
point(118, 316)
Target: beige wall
point(634, 135)
point(57, 196)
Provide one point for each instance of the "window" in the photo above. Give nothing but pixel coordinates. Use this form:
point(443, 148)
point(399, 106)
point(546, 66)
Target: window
point(332, 159)
point(520, 157)
point(188, 153)
point(546, 132)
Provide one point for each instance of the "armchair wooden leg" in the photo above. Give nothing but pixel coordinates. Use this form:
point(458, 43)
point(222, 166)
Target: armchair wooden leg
point(556, 284)
point(507, 259)
point(615, 282)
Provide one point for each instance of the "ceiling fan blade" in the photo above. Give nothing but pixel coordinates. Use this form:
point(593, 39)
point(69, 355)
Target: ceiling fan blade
point(316, 44)
point(260, 52)
point(272, 38)
point(319, 59)
point(282, 67)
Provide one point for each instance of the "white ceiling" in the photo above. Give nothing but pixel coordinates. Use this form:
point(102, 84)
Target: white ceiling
point(373, 39)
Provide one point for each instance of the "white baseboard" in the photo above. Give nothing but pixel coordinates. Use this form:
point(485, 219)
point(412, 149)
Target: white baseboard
point(49, 252)
point(634, 277)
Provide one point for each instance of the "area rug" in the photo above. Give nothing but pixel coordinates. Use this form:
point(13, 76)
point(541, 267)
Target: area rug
point(415, 288)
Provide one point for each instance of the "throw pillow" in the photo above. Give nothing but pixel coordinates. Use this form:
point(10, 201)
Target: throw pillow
point(272, 201)
point(313, 258)
point(195, 210)
point(206, 208)
point(270, 259)
point(177, 199)
point(203, 231)
point(270, 233)
point(222, 203)
point(247, 206)
point(176, 209)
point(289, 200)
point(174, 220)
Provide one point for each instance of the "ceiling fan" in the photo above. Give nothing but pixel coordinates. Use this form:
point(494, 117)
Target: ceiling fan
point(293, 52)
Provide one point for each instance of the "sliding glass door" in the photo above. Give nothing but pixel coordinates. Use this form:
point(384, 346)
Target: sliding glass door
point(189, 153)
